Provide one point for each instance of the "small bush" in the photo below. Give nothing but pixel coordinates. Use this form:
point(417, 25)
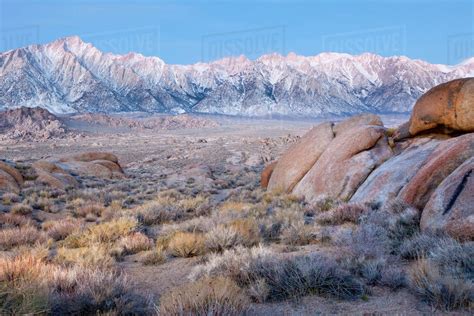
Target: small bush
point(9, 198)
point(247, 229)
point(208, 296)
point(89, 209)
point(221, 237)
point(454, 258)
point(21, 209)
point(184, 244)
point(134, 243)
point(107, 232)
point(298, 234)
point(442, 292)
point(21, 236)
point(154, 257)
point(13, 220)
point(420, 245)
point(93, 257)
point(347, 212)
point(60, 229)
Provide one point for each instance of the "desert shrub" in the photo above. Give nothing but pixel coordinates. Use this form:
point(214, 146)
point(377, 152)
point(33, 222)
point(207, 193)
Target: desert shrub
point(21, 209)
point(222, 237)
point(343, 213)
point(392, 277)
point(369, 269)
point(298, 234)
point(60, 229)
point(183, 244)
point(259, 291)
point(459, 229)
point(134, 243)
point(154, 257)
point(208, 296)
point(153, 213)
point(88, 209)
point(420, 245)
point(9, 198)
point(368, 241)
point(324, 205)
point(454, 258)
point(95, 256)
point(443, 292)
point(20, 236)
point(107, 232)
point(247, 229)
point(286, 278)
point(14, 220)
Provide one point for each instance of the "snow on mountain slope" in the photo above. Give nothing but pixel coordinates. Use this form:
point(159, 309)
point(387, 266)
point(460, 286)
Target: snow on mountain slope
point(68, 75)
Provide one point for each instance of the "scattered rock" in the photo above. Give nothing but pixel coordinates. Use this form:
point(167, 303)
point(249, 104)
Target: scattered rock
point(448, 105)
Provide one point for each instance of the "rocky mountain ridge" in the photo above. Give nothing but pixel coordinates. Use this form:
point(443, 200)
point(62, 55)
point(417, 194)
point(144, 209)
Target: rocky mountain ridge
point(68, 75)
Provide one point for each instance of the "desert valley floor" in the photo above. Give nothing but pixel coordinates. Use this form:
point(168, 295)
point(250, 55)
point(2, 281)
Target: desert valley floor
point(216, 170)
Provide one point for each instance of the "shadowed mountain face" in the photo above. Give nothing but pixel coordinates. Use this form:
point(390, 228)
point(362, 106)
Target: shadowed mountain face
point(69, 75)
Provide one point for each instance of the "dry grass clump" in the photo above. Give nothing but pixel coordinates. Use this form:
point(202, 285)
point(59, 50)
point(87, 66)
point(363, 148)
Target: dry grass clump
point(344, 213)
point(183, 244)
point(420, 245)
point(28, 285)
point(20, 236)
point(154, 257)
point(208, 296)
point(94, 257)
point(172, 206)
point(134, 243)
point(222, 237)
point(9, 198)
point(443, 292)
point(90, 209)
point(14, 220)
point(60, 229)
point(107, 232)
point(248, 230)
point(298, 234)
point(21, 209)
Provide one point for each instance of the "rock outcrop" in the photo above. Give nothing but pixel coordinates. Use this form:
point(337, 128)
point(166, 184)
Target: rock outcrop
point(30, 124)
point(60, 173)
point(449, 105)
point(10, 178)
point(426, 162)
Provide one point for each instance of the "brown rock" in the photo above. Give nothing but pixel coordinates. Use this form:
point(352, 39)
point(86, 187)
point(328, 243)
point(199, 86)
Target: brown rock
point(300, 157)
point(15, 174)
point(112, 166)
point(56, 180)
point(8, 183)
point(448, 105)
point(357, 120)
point(449, 155)
point(266, 174)
point(345, 164)
point(47, 166)
point(385, 182)
point(83, 168)
point(451, 207)
point(401, 132)
point(91, 156)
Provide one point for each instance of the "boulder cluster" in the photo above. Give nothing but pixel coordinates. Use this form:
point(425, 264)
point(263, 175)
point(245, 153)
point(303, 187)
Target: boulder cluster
point(426, 162)
point(62, 173)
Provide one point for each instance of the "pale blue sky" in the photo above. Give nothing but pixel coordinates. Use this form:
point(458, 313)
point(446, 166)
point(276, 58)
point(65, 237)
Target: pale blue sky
point(439, 31)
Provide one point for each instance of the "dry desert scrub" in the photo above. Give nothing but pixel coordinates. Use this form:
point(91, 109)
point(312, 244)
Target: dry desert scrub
point(442, 292)
point(20, 236)
point(182, 244)
point(134, 243)
point(29, 285)
point(60, 229)
point(207, 296)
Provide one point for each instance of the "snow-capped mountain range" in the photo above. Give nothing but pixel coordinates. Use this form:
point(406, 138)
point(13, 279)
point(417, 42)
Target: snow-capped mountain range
point(68, 75)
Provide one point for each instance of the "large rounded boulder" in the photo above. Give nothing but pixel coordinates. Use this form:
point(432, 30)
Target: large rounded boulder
point(10, 179)
point(449, 105)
